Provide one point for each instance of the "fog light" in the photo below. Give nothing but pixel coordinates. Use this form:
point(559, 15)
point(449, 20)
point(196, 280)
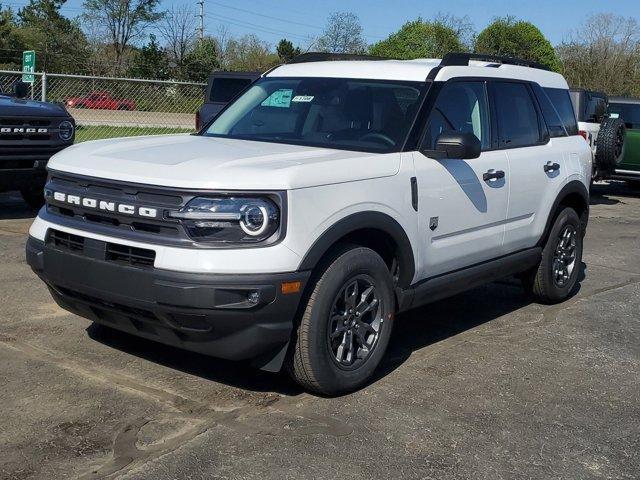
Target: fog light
point(253, 298)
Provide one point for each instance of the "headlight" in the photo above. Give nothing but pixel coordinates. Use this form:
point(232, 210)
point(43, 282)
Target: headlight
point(231, 219)
point(65, 130)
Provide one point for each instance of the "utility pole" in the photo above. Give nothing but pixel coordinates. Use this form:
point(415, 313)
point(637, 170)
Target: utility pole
point(201, 16)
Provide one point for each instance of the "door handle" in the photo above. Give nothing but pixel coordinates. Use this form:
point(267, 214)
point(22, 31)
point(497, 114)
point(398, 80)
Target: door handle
point(492, 174)
point(551, 167)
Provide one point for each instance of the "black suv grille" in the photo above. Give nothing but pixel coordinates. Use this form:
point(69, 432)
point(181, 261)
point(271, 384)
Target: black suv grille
point(110, 252)
point(161, 229)
point(27, 139)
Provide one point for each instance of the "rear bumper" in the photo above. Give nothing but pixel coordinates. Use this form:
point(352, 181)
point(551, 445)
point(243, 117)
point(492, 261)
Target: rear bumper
point(205, 313)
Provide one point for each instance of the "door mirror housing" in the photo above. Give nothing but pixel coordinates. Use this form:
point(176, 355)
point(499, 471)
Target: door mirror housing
point(457, 145)
point(20, 89)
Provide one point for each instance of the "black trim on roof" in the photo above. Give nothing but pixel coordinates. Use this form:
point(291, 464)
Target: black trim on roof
point(324, 57)
point(462, 60)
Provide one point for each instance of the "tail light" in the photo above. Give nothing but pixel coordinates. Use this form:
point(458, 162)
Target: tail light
point(584, 135)
point(198, 126)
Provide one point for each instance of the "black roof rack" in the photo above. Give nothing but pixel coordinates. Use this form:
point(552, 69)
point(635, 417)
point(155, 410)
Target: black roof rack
point(325, 57)
point(462, 59)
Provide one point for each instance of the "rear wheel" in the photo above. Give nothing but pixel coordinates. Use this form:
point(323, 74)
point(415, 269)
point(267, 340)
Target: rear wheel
point(345, 327)
point(553, 280)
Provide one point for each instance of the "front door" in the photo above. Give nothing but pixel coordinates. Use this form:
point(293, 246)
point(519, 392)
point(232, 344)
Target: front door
point(462, 204)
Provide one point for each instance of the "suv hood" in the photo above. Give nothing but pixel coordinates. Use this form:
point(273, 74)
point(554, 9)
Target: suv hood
point(188, 161)
point(16, 107)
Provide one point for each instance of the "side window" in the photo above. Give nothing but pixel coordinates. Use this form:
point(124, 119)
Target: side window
point(550, 113)
point(516, 114)
point(460, 107)
point(561, 100)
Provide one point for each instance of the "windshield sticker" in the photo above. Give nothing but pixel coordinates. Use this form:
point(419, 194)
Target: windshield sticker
point(611, 115)
point(280, 98)
point(302, 98)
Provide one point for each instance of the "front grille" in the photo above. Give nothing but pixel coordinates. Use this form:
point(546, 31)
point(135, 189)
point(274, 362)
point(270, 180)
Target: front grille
point(66, 241)
point(130, 255)
point(162, 229)
point(106, 251)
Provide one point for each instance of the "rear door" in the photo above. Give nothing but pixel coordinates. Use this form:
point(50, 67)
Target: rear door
point(462, 203)
point(630, 114)
point(536, 165)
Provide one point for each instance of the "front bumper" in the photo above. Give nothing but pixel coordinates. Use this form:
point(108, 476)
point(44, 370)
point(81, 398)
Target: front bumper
point(205, 313)
point(19, 178)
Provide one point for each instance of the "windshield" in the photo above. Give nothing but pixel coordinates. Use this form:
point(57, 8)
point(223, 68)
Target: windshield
point(366, 115)
point(628, 112)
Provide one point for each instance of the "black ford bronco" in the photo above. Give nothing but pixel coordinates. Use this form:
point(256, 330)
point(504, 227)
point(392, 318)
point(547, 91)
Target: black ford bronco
point(30, 133)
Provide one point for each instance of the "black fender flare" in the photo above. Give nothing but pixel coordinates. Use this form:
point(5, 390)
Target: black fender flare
point(360, 221)
point(573, 187)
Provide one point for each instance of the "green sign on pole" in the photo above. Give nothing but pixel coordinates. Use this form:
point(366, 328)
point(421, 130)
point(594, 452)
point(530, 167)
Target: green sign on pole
point(28, 66)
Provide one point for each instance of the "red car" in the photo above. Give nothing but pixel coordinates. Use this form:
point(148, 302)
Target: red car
point(101, 100)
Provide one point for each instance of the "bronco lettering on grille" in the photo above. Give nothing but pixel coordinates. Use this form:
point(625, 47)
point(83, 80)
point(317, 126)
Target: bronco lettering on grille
point(103, 205)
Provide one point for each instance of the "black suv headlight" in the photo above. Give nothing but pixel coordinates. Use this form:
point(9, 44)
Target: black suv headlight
point(232, 219)
point(66, 130)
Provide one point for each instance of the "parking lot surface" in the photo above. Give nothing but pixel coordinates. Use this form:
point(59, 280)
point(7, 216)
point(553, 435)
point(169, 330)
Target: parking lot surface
point(484, 385)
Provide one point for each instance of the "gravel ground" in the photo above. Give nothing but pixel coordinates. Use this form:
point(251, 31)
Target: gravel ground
point(485, 385)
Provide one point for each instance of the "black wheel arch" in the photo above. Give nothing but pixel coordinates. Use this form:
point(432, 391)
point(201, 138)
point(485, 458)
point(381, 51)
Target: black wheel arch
point(575, 195)
point(376, 230)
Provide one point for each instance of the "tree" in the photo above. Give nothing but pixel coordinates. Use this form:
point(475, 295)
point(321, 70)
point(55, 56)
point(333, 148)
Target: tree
point(124, 21)
point(286, 51)
point(604, 54)
point(178, 30)
point(151, 62)
point(249, 53)
point(419, 39)
point(202, 60)
point(516, 38)
point(343, 34)
point(11, 44)
point(59, 41)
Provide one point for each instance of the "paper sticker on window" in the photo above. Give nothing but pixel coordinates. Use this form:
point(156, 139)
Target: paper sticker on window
point(614, 115)
point(302, 98)
point(280, 98)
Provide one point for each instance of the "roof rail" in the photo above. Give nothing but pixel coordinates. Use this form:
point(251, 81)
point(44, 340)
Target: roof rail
point(324, 57)
point(462, 59)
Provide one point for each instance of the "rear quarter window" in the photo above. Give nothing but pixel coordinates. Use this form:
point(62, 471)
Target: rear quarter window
point(628, 112)
point(561, 101)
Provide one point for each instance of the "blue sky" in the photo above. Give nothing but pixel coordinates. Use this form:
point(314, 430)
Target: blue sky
point(301, 19)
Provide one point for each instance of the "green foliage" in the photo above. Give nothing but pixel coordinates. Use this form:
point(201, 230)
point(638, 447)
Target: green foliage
point(516, 38)
point(11, 44)
point(248, 53)
point(286, 51)
point(202, 60)
point(419, 39)
point(150, 62)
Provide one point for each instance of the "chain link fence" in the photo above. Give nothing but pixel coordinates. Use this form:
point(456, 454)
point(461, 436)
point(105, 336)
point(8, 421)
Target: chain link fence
point(106, 107)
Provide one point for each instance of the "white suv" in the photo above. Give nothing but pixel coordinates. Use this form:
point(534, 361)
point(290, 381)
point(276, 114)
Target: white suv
point(328, 197)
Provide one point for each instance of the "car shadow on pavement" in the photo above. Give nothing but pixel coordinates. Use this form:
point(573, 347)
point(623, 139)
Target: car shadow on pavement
point(602, 193)
point(235, 374)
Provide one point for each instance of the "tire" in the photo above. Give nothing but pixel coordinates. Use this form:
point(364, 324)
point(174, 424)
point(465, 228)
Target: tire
point(610, 145)
point(634, 184)
point(320, 359)
point(34, 196)
point(543, 282)
point(123, 107)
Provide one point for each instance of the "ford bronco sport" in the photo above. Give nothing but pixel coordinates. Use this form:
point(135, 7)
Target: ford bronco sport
point(326, 198)
point(30, 133)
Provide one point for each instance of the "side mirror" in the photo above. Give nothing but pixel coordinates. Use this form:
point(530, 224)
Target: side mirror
point(459, 145)
point(20, 89)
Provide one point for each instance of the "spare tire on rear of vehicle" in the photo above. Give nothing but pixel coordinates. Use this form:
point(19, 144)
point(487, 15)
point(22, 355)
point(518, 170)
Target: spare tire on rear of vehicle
point(610, 144)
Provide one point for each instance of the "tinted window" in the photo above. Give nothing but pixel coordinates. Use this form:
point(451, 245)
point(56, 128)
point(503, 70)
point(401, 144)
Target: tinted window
point(550, 114)
point(562, 102)
point(367, 115)
point(516, 115)
point(224, 90)
point(460, 107)
point(595, 108)
point(628, 112)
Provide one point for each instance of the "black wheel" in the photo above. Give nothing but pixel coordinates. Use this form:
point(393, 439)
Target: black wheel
point(634, 184)
point(557, 274)
point(34, 196)
point(610, 145)
point(345, 327)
